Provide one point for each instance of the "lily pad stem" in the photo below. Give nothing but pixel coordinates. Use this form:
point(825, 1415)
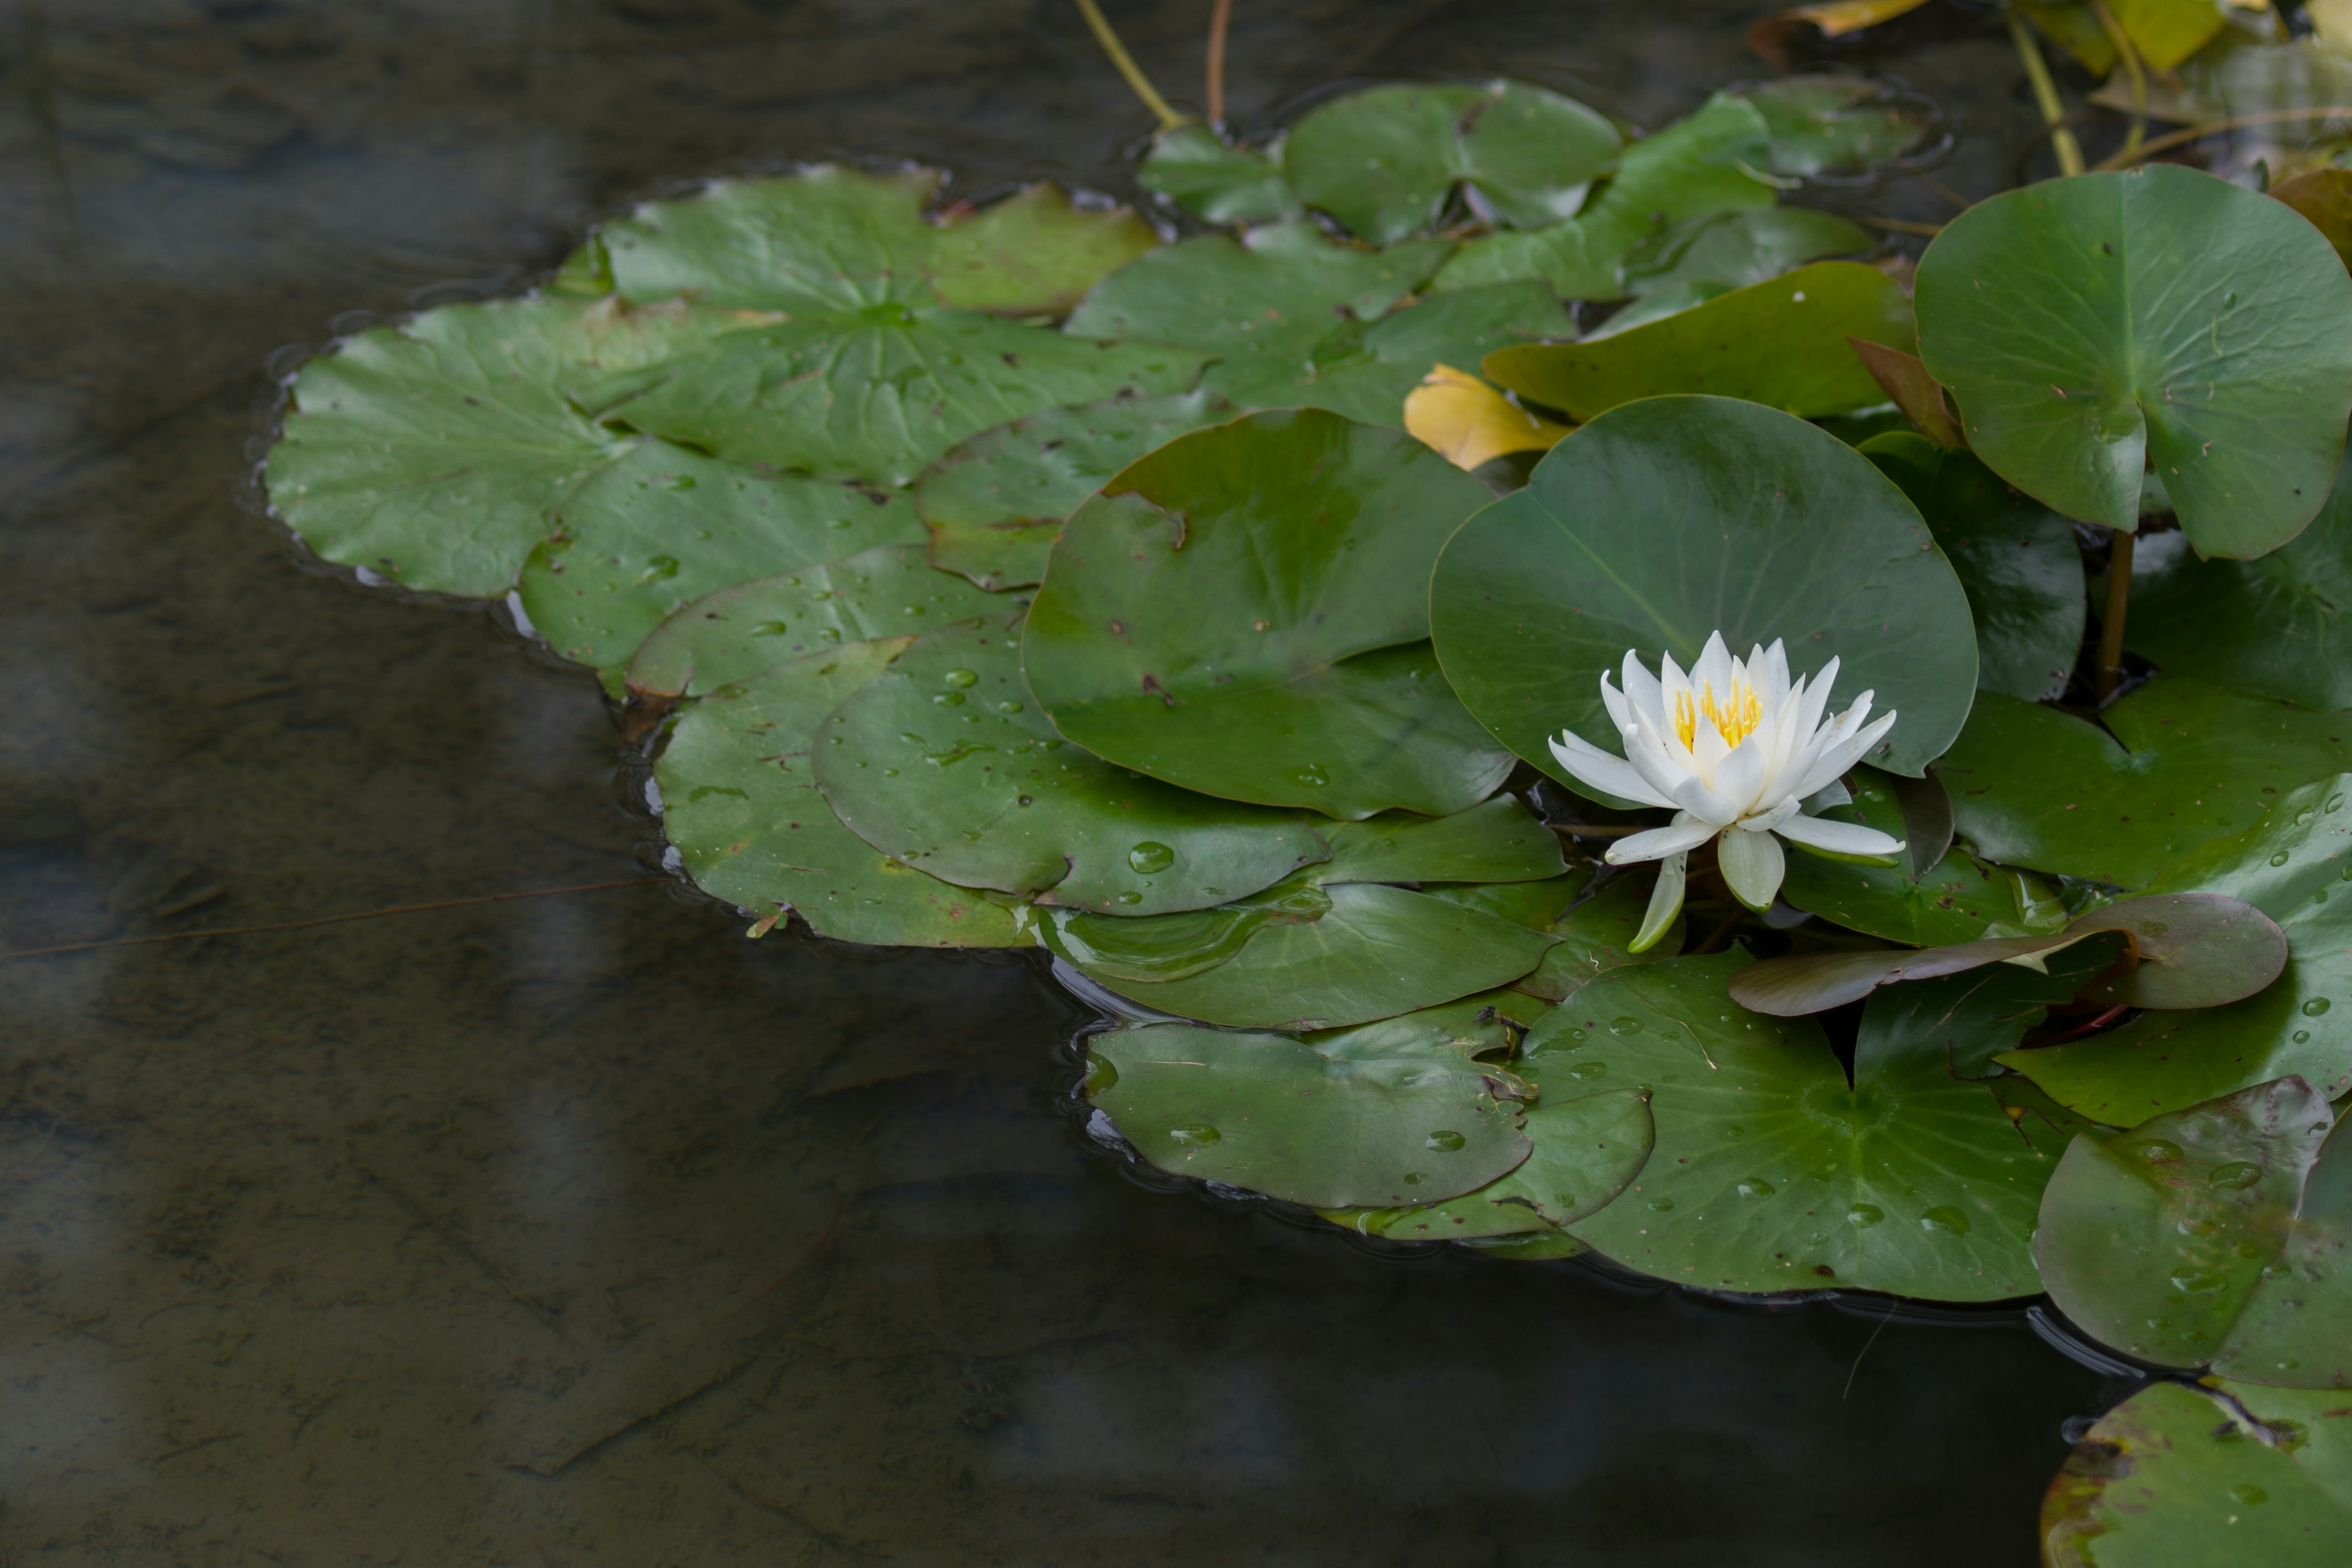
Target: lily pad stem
point(2110, 665)
point(2171, 139)
point(1220, 22)
point(2138, 131)
point(2045, 93)
point(1100, 25)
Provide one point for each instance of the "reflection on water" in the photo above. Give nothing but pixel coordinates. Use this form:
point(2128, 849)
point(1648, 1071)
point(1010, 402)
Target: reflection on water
point(580, 1230)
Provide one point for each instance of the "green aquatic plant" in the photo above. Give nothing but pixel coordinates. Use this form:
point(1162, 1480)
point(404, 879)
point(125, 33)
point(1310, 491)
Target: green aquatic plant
point(1232, 616)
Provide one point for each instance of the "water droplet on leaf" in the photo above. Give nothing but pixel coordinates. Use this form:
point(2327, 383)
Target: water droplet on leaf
point(1149, 860)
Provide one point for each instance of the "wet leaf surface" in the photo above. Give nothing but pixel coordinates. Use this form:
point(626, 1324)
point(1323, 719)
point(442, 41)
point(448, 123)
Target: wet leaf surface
point(1586, 1153)
point(736, 633)
point(663, 525)
point(996, 504)
point(1242, 612)
point(2032, 786)
point(945, 762)
point(1033, 253)
point(2177, 1476)
point(1783, 343)
point(1674, 517)
point(1735, 249)
point(1497, 840)
point(1594, 934)
point(1384, 161)
point(2193, 950)
point(1832, 124)
point(2214, 1235)
point(2093, 327)
point(1953, 902)
point(2016, 559)
point(1214, 181)
point(2296, 867)
point(1271, 1114)
point(1770, 1173)
point(743, 813)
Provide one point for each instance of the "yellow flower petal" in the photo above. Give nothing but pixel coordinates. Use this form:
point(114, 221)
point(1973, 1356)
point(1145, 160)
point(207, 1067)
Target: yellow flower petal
point(1468, 422)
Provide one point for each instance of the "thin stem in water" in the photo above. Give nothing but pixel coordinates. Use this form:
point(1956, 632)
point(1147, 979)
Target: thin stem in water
point(2171, 139)
point(2045, 93)
point(2137, 132)
point(1169, 119)
point(1219, 23)
point(2111, 624)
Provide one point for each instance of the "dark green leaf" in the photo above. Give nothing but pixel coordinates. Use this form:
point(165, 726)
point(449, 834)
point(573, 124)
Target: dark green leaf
point(996, 504)
point(1783, 343)
point(1033, 253)
point(1213, 181)
point(1954, 902)
point(1770, 1172)
point(663, 525)
point(2179, 1241)
point(2016, 558)
point(1497, 840)
point(945, 762)
point(1732, 250)
point(1241, 612)
point(737, 632)
point(2093, 327)
point(1672, 518)
point(741, 808)
point(1271, 1114)
point(2032, 786)
point(1593, 936)
point(2296, 867)
point(1825, 123)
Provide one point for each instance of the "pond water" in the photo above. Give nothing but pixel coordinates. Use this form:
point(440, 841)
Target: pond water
point(577, 1230)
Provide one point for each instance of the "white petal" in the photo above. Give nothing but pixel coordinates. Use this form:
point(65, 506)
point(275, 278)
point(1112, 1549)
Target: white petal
point(1692, 795)
point(1610, 776)
point(1836, 759)
point(1714, 669)
point(1838, 837)
point(1752, 867)
point(1741, 775)
point(1765, 821)
point(1666, 903)
point(1648, 751)
point(1678, 838)
point(1817, 699)
point(1708, 748)
point(1620, 714)
point(1776, 661)
point(1642, 689)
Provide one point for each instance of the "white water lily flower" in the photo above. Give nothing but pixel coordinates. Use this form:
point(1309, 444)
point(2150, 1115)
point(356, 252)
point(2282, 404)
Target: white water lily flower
point(1736, 752)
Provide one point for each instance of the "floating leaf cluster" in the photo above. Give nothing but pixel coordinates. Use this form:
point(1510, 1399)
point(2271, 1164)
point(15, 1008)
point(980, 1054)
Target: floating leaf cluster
point(1204, 612)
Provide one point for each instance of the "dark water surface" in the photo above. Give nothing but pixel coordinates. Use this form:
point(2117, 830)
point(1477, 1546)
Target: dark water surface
point(579, 1230)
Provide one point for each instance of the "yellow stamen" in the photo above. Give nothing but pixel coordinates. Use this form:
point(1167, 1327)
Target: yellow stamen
point(1735, 718)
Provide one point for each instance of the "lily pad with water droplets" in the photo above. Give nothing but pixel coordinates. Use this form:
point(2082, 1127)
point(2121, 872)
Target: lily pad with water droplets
point(1242, 613)
point(2177, 763)
point(1770, 1172)
point(2091, 329)
point(2183, 1477)
point(741, 808)
point(2212, 1237)
point(1269, 1114)
point(736, 633)
point(664, 526)
point(2296, 867)
point(1670, 519)
point(428, 453)
point(944, 762)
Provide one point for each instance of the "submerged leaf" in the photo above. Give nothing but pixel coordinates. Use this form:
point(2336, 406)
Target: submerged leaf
point(1826, 124)
point(1586, 1151)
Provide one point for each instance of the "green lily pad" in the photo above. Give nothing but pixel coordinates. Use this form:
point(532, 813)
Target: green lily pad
point(2277, 626)
point(1953, 902)
point(1242, 612)
point(1782, 343)
point(1496, 841)
point(1327, 957)
point(428, 453)
point(1473, 1027)
point(2193, 950)
point(1214, 181)
point(878, 395)
point(2178, 1477)
point(664, 526)
point(741, 809)
point(1274, 1115)
point(837, 241)
point(1594, 934)
point(1709, 161)
point(1586, 1153)
point(1384, 161)
point(2179, 763)
point(996, 504)
point(1674, 517)
point(1770, 1172)
point(2296, 867)
point(2089, 327)
point(1732, 250)
point(2212, 1235)
point(737, 632)
point(944, 762)
point(2016, 558)
point(1830, 124)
